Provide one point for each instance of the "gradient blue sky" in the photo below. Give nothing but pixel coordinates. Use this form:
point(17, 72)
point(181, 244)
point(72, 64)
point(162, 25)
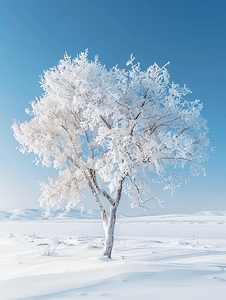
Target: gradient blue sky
point(34, 36)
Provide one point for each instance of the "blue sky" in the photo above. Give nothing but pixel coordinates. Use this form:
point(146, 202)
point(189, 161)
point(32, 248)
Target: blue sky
point(34, 36)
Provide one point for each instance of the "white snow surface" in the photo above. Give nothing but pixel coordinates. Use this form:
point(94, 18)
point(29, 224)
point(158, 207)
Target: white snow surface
point(154, 257)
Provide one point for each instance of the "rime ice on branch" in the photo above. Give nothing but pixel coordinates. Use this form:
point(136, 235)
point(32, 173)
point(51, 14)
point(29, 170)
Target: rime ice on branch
point(113, 128)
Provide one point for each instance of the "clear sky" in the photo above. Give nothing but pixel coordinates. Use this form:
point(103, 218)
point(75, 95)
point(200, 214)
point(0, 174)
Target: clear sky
point(34, 35)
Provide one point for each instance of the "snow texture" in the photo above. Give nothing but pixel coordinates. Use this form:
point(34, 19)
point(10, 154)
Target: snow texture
point(154, 257)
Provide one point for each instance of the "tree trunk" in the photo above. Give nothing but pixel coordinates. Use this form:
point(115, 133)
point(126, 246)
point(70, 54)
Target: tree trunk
point(108, 224)
point(109, 233)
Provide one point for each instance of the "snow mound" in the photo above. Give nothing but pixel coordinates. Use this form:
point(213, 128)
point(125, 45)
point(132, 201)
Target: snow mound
point(74, 214)
point(210, 213)
point(40, 214)
point(26, 214)
point(4, 215)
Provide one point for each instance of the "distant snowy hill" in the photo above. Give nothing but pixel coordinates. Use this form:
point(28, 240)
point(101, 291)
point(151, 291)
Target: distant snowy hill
point(73, 214)
point(210, 213)
point(40, 214)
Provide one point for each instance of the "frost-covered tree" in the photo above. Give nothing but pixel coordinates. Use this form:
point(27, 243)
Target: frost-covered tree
point(114, 132)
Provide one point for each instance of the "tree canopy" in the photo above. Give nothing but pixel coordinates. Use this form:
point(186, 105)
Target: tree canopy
point(112, 128)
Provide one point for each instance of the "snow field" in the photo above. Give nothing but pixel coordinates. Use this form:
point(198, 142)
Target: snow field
point(162, 257)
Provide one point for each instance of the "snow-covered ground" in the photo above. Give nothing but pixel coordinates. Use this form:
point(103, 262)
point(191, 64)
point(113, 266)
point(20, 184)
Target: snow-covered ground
point(154, 257)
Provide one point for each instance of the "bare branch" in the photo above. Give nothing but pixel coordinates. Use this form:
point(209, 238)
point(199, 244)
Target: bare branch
point(119, 192)
point(90, 147)
point(99, 204)
point(105, 194)
point(105, 122)
point(145, 96)
point(184, 130)
point(100, 191)
point(121, 104)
